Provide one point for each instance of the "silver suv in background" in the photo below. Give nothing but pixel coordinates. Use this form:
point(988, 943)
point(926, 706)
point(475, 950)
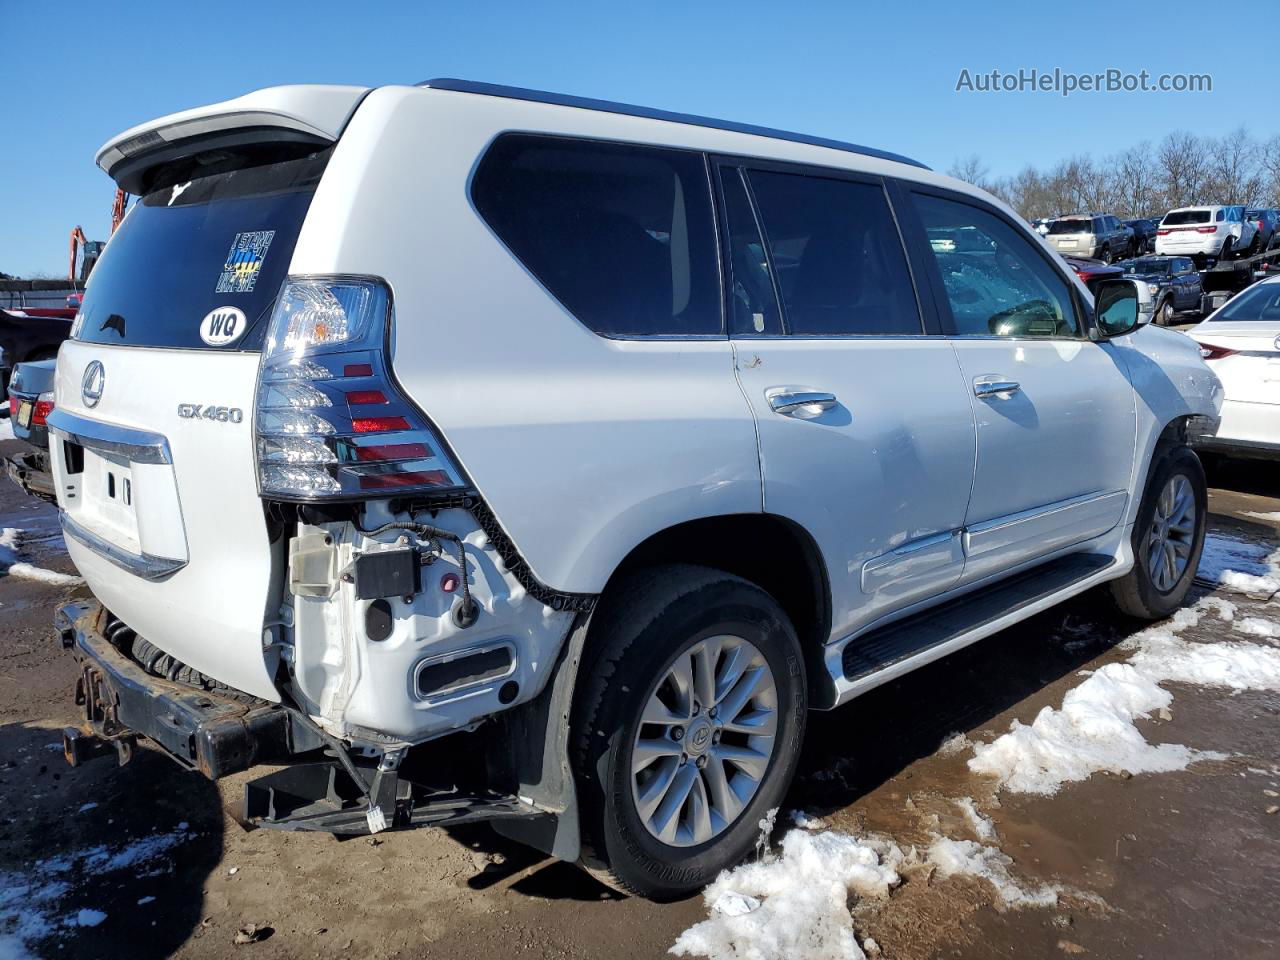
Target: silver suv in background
point(1097, 235)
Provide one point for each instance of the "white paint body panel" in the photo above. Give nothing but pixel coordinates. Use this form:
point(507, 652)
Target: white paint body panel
point(584, 446)
point(1250, 379)
point(883, 477)
point(204, 506)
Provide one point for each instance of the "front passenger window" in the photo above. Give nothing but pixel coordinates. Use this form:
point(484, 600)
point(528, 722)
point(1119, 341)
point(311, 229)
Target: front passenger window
point(997, 283)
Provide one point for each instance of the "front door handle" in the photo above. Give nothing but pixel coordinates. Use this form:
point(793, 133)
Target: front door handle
point(995, 386)
point(804, 404)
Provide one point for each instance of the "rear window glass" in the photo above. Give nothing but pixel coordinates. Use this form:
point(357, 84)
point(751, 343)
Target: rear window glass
point(1261, 303)
point(1070, 226)
point(622, 235)
point(196, 247)
point(1179, 217)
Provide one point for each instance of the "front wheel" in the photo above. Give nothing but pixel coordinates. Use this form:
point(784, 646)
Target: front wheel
point(1164, 316)
point(1105, 256)
point(687, 729)
point(1168, 537)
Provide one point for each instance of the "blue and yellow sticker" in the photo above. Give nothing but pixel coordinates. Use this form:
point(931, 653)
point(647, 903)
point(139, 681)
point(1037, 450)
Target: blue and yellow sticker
point(244, 261)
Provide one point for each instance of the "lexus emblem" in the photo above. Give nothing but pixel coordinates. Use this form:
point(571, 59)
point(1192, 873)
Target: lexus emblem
point(92, 382)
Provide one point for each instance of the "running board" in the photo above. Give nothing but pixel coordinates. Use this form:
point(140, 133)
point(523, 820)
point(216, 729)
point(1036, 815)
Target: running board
point(873, 656)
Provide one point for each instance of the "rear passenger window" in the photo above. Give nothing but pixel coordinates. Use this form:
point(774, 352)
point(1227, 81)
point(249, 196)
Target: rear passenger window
point(836, 255)
point(996, 282)
point(622, 235)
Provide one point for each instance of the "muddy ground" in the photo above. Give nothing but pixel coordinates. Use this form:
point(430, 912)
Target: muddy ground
point(1179, 865)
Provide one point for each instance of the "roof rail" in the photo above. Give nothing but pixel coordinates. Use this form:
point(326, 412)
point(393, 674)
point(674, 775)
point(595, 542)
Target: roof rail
point(630, 110)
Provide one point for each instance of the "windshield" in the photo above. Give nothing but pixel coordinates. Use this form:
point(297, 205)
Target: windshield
point(1254, 214)
point(1149, 265)
point(1260, 303)
point(1069, 226)
point(210, 243)
point(1178, 217)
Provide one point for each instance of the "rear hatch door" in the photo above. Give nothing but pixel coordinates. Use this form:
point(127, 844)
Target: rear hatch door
point(153, 456)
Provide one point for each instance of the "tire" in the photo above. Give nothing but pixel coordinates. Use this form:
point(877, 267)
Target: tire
point(1105, 255)
point(1164, 313)
point(1228, 247)
point(1138, 593)
point(636, 642)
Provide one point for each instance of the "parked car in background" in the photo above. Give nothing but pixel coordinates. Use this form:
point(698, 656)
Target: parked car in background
point(1174, 284)
point(1203, 232)
point(32, 334)
point(1093, 272)
point(1144, 234)
point(1266, 222)
point(1241, 344)
point(30, 403)
point(452, 582)
point(1098, 236)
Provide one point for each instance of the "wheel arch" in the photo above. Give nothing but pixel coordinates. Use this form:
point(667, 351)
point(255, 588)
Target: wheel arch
point(775, 553)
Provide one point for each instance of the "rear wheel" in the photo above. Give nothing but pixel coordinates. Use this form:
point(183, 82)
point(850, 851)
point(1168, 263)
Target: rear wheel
point(1167, 537)
point(1228, 245)
point(687, 729)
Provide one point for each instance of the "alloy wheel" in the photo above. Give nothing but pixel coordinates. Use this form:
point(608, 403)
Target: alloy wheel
point(704, 742)
point(1172, 534)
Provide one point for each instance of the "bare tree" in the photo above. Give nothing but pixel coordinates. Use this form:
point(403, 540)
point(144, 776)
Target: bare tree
point(1235, 175)
point(1181, 170)
point(971, 169)
point(1134, 177)
point(1184, 167)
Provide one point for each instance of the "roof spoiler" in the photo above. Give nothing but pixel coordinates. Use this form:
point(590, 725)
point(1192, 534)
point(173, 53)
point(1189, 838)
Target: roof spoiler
point(306, 114)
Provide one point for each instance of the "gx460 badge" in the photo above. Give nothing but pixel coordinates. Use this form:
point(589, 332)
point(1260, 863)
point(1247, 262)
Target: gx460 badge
point(194, 411)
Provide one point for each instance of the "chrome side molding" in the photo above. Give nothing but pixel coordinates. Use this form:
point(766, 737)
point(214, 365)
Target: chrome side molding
point(144, 565)
point(137, 446)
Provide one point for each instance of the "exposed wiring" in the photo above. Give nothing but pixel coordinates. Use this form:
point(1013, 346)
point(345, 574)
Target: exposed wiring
point(469, 610)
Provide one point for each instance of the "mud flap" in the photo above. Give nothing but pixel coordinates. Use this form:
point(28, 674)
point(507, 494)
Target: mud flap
point(537, 735)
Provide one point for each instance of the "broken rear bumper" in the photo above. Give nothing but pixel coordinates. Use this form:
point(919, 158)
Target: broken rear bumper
point(201, 729)
point(30, 471)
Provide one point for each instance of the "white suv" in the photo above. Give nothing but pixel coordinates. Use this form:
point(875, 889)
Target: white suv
point(480, 453)
point(1209, 231)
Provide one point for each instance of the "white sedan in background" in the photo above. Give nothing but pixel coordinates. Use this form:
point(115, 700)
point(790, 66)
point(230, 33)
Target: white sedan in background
point(1240, 341)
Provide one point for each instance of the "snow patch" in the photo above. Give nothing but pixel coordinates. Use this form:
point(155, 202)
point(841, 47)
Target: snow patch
point(1258, 627)
point(10, 544)
point(979, 822)
point(29, 898)
point(803, 897)
point(966, 858)
point(1241, 566)
point(1094, 729)
point(1274, 517)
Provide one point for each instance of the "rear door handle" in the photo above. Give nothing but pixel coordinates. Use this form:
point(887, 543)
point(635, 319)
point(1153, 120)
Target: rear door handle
point(992, 385)
point(801, 403)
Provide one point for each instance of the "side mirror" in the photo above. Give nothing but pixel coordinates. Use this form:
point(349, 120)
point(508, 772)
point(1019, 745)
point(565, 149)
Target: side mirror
point(1118, 307)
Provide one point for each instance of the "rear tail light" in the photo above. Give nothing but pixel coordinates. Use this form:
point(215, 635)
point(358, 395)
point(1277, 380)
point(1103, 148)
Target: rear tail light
point(330, 422)
point(40, 412)
point(1163, 233)
point(1211, 352)
point(1206, 229)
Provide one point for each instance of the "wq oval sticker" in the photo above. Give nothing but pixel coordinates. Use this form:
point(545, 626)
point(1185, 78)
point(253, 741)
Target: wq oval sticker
point(222, 325)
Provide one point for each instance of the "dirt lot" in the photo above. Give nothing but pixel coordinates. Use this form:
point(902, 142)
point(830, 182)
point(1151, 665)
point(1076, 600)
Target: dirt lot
point(141, 861)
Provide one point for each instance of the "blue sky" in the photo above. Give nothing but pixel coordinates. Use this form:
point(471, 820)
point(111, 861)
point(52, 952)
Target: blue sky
point(74, 74)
